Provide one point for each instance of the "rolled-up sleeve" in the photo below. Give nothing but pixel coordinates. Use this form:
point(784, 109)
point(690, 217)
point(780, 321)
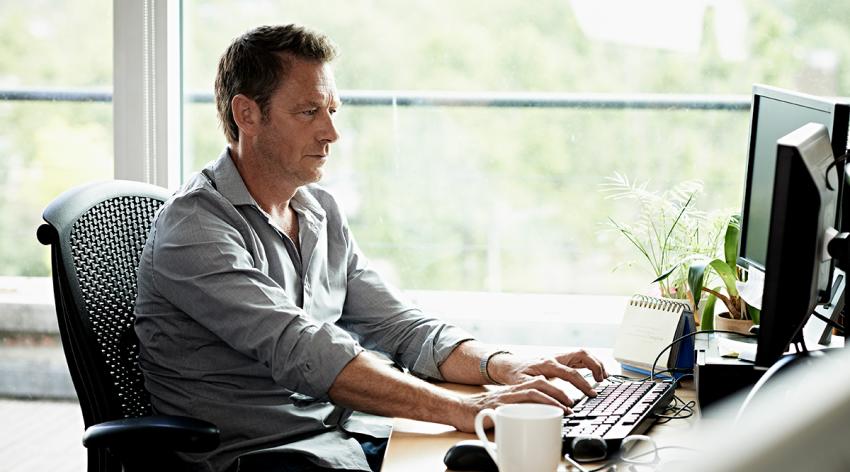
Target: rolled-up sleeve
point(204, 260)
point(386, 321)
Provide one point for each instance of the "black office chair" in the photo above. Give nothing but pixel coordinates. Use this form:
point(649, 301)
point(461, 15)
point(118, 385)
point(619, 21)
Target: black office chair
point(96, 233)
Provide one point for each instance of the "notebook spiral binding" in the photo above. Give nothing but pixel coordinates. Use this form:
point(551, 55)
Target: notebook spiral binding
point(664, 304)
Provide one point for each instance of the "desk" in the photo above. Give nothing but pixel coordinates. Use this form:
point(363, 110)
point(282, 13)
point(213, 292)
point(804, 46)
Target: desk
point(420, 446)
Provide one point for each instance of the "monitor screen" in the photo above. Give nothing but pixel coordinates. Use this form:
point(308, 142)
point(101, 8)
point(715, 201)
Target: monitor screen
point(775, 113)
point(803, 207)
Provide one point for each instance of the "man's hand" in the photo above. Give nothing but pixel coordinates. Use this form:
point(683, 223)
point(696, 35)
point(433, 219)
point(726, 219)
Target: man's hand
point(533, 390)
point(529, 381)
point(526, 380)
point(368, 384)
point(512, 370)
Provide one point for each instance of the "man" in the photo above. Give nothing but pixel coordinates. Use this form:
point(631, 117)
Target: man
point(255, 303)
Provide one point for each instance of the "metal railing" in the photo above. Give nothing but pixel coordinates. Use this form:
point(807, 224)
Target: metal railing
point(56, 95)
point(645, 101)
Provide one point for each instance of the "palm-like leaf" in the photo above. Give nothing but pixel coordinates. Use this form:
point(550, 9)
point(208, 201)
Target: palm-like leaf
point(666, 228)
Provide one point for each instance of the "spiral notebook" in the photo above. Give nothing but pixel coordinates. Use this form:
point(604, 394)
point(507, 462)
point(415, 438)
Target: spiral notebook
point(649, 325)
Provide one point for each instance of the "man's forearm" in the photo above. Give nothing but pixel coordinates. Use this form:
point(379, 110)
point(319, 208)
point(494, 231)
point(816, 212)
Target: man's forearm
point(369, 385)
point(464, 363)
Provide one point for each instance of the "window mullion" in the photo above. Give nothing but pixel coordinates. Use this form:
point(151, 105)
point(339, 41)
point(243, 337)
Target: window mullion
point(146, 91)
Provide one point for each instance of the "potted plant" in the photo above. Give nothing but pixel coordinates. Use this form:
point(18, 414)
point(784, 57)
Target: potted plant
point(738, 315)
point(668, 231)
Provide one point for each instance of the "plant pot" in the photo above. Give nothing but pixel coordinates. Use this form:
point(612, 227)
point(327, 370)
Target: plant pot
point(723, 322)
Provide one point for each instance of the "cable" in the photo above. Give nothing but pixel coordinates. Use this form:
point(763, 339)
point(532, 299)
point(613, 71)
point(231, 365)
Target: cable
point(617, 378)
point(682, 338)
point(832, 164)
point(675, 409)
point(616, 460)
point(687, 407)
point(624, 378)
point(575, 464)
point(679, 380)
point(672, 372)
point(776, 367)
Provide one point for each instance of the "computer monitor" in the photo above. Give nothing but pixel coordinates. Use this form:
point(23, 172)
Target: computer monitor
point(775, 113)
point(797, 265)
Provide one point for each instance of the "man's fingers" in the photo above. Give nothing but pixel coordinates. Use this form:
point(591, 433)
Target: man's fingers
point(544, 385)
point(572, 376)
point(582, 358)
point(532, 395)
point(597, 368)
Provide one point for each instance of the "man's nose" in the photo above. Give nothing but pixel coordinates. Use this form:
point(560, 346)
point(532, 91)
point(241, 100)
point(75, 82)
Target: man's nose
point(328, 133)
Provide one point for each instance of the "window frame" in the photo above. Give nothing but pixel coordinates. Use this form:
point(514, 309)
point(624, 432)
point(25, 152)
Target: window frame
point(147, 91)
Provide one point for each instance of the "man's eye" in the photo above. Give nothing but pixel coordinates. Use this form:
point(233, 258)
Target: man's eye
point(310, 112)
point(333, 111)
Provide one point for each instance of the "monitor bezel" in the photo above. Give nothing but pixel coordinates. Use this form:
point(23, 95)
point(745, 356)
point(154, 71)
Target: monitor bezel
point(838, 110)
point(797, 239)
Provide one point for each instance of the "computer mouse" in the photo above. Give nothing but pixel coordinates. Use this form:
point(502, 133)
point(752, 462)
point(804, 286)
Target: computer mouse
point(469, 455)
point(589, 449)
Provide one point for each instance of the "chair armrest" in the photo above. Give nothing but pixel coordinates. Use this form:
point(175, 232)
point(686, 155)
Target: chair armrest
point(171, 433)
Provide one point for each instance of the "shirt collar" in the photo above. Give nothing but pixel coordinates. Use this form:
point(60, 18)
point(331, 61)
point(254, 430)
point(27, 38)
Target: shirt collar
point(304, 200)
point(230, 184)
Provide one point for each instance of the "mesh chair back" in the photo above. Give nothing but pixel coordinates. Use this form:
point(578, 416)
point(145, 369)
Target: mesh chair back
point(97, 233)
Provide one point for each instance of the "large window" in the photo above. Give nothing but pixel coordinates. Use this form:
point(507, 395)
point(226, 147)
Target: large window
point(476, 134)
point(55, 79)
point(56, 132)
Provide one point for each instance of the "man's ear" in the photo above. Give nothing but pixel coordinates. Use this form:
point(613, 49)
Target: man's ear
point(246, 114)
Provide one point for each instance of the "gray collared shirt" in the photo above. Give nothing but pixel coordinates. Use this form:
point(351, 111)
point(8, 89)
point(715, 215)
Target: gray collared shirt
point(238, 328)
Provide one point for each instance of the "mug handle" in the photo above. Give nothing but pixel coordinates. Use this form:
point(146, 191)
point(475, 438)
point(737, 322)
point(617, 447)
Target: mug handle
point(479, 431)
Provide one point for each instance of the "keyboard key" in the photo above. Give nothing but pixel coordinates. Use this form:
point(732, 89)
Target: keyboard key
point(617, 411)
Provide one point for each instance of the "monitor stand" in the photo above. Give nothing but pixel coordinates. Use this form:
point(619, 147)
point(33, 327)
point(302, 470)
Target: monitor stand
point(819, 329)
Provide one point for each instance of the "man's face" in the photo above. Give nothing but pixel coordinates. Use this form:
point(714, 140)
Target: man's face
point(295, 137)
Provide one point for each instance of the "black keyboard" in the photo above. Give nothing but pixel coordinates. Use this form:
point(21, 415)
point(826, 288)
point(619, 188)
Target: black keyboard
point(619, 410)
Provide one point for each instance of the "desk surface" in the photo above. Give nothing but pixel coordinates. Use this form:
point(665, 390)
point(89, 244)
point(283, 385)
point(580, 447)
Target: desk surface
point(420, 446)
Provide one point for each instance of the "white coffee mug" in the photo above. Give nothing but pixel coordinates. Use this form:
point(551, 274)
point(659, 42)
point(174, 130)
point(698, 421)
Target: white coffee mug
point(528, 436)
